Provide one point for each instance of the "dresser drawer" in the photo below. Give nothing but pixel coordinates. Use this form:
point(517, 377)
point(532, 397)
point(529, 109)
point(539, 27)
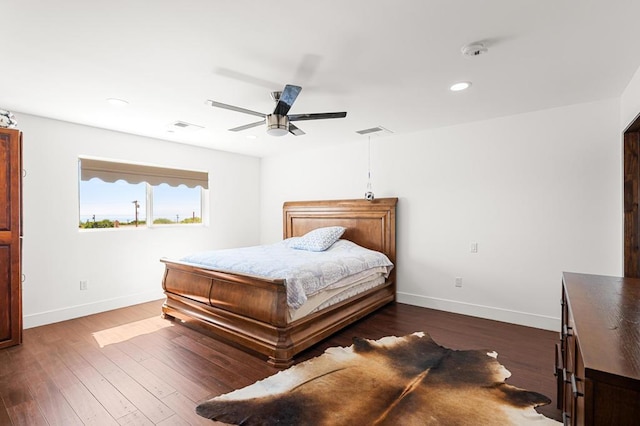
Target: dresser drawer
point(577, 384)
point(560, 373)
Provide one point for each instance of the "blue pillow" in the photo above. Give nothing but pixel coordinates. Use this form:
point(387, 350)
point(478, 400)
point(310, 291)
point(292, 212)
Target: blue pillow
point(319, 239)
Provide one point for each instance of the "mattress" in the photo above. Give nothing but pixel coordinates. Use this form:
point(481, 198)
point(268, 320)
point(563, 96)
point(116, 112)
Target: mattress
point(329, 297)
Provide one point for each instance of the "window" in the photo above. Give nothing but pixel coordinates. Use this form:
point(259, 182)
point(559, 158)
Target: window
point(112, 205)
point(176, 204)
point(124, 195)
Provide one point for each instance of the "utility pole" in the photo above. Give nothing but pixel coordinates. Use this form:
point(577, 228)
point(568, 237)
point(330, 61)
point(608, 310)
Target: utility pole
point(137, 206)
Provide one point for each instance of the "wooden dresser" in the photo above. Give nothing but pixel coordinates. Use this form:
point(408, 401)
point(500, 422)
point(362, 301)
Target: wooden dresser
point(10, 233)
point(598, 357)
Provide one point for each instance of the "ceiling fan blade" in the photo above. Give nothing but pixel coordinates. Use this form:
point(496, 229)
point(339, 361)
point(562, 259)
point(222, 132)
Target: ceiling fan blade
point(318, 116)
point(296, 131)
point(247, 126)
point(246, 78)
point(287, 98)
point(307, 68)
point(234, 108)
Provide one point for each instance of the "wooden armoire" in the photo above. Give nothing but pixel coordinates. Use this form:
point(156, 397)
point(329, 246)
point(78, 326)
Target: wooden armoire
point(10, 237)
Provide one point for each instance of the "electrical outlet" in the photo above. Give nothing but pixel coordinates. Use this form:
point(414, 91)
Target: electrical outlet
point(458, 282)
point(473, 247)
point(83, 285)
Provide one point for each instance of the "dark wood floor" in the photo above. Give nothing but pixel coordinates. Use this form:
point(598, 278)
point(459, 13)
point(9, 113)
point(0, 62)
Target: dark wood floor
point(130, 367)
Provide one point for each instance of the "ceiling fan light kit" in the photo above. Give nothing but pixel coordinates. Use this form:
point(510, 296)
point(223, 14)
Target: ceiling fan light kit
point(278, 122)
point(277, 125)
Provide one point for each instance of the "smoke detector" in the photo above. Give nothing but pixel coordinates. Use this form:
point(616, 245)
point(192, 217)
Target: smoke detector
point(474, 49)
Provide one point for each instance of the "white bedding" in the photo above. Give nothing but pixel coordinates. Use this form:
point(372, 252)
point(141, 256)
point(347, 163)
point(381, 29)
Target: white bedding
point(305, 272)
point(331, 296)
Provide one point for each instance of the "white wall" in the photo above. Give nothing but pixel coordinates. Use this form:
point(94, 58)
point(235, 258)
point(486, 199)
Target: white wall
point(630, 101)
point(121, 266)
point(540, 193)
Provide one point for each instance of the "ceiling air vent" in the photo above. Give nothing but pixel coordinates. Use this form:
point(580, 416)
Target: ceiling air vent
point(374, 130)
point(183, 126)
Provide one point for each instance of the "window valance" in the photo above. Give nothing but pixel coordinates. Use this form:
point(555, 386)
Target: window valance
point(111, 171)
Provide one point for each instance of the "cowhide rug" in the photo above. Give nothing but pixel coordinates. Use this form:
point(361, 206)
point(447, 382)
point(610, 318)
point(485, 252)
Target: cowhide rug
point(408, 380)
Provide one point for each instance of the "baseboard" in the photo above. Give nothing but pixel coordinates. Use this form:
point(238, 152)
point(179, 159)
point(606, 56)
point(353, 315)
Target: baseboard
point(481, 311)
point(63, 314)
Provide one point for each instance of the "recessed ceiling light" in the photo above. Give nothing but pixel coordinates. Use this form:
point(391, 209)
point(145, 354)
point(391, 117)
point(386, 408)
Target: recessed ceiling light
point(463, 85)
point(117, 102)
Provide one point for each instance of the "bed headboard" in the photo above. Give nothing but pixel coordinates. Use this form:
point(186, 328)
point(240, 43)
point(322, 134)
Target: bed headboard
point(371, 224)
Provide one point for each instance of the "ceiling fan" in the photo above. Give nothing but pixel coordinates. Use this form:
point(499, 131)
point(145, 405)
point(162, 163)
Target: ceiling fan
point(278, 122)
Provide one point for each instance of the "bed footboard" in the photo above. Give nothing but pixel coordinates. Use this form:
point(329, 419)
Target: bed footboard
point(252, 312)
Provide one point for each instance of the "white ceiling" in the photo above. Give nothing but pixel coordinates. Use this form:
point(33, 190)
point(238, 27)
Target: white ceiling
point(385, 62)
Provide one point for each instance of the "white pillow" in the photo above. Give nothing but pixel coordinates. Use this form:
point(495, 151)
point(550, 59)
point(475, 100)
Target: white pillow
point(319, 239)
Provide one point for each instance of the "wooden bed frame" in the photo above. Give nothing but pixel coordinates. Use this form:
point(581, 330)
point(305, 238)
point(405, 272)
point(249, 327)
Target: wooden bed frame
point(252, 312)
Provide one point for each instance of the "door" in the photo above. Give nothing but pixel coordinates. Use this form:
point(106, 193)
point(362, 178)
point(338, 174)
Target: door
point(632, 200)
point(10, 206)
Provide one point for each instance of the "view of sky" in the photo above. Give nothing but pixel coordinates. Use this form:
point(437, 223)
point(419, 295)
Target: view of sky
point(115, 201)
